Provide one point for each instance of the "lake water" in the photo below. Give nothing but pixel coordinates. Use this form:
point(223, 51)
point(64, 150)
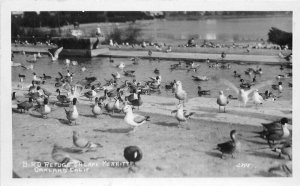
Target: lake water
point(102, 69)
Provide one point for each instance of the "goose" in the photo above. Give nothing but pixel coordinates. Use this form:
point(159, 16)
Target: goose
point(276, 125)
point(222, 100)
point(33, 60)
point(278, 134)
point(203, 92)
point(278, 87)
point(91, 94)
point(25, 105)
point(81, 142)
point(32, 87)
point(132, 154)
point(117, 106)
point(230, 147)
point(72, 114)
point(36, 79)
point(109, 106)
point(181, 115)
point(104, 96)
point(200, 78)
point(61, 98)
point(285, 149)
point(236, 75)
point(46, 77)
point(44, 110)
point(257, 99)
point(137, 102)
point(116, 75)
point(180, 94)
point(134, 120)
point(56, 54)
point(129, 73)
point(96, 109)
point(243, 96)
point(46, 92)
point(59, 155)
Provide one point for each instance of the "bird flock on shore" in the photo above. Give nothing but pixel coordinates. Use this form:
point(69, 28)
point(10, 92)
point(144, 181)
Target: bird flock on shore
point(123, 97)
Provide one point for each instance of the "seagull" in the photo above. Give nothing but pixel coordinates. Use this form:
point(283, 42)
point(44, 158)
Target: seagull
point(180, 94)
point(74, 63)
point(58, 154)
point(72, 114)
point(116, 75)
point(96, 109)
point(83, 143)
point(56, 53)
point(121, 65)
point(15, 64)
point(243, 96)
point(222, 100)
point(230, 147)
point(182, 115)
point(132, 119)
point(257, 99)
point(67, 61)
point(83, 69)
point(39, 55)
point(132, 154)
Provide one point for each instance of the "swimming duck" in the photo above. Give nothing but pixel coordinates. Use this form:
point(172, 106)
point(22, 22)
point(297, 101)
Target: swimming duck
point(200, 78)
point(181, 115)
point(156, 71)
point(236, 74)
point(25, 105)
point(278, 87)
point(230, 147)
point(116, 75)
point(72, 114)
point(74, 63)
point(222, 100)
point(257, 99)
point(132, 154)
point(203, 92)
point(129, 73)
point(132, 119)
point(96, 109)
point(121, 65)
point(56, 53)
point(61, 98)
point(180, 94)
point(81, 142)
point(39, 55)
point(33, 60)
point(44, 110)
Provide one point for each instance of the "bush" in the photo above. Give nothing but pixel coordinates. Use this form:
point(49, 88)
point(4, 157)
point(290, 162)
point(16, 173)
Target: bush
point(280, 37)
point(130, 34)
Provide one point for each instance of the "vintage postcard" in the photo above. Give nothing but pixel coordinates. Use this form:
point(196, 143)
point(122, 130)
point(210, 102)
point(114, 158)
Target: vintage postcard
point(148, 92)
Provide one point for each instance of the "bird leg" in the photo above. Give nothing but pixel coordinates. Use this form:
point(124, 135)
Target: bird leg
point(224, 109)
point(219, 108)
point(279, 155)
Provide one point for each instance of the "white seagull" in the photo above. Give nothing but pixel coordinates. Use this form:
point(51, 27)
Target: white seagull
point(180, 94)
point(243, 96)
point(257, 99)
point(222, 100)
point(132, 119)
point(182, 115)
point(56, 53)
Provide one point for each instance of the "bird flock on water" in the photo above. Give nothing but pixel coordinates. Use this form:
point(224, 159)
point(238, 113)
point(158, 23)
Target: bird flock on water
point(125, 97)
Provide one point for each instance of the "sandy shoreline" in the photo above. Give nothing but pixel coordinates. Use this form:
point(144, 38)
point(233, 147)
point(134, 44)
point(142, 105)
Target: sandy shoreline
point(169, 151)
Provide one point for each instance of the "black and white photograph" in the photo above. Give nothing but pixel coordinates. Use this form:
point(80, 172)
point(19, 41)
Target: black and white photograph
point(149, 93)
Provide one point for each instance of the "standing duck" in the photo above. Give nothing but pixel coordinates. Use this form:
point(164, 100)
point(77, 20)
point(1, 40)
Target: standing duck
point(44, 110)
point(132, 154)
point(180, 94)
point(61, 98)
point(133, 120)
point(230, 147)
point(278, 134)
point(91, 94)
point(203, 92)
point(96, 109)
point(222, 100)
point(137, 102)
point(25, 105)
point(182, 115)
point(72, 114)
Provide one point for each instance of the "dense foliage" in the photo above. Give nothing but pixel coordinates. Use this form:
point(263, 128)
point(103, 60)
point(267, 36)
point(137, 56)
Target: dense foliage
point(280, 37)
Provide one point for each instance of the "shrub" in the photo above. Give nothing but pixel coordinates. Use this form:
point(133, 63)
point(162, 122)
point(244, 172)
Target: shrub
point(280, 37)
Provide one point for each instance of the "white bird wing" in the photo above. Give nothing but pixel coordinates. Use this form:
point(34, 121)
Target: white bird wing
point(258, 86)
point(57, 52)
point(231, 85)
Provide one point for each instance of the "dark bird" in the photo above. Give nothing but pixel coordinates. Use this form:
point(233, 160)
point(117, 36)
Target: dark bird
point(26, 105)
point(62, 98)
point(230, 147)
point(137, 102)
point(46, 77)
point(156, 71)
point(21, 77)
point(236, 74)
point(132, 154)
point(203, 92)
